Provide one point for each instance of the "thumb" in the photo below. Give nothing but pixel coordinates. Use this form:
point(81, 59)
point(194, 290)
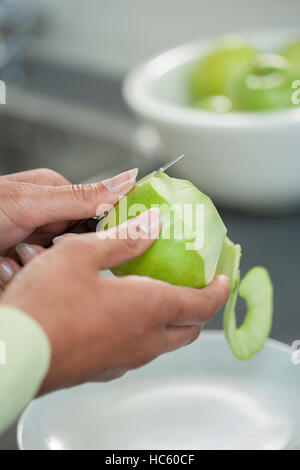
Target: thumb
point(115, 246)
point(50, 204)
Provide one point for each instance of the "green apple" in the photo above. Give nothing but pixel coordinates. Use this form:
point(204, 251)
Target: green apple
point(228, 58)
point(292, 53)
point(214, 103)
point(191, 249)
point(266, 85)
point(182, 255)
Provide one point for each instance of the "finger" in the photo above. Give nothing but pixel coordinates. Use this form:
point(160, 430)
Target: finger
point(44, 235)
point(8, 269)
point(117, 245)
point(44, 239)
point(47, 177)
point(108, 376)
point(198, 306)
point(63, 237)
point(41, 176)
point(51, 204)
point(27, 252)
point(178, 306)
point(71, 227)
point(55, 228)
point(179, 336)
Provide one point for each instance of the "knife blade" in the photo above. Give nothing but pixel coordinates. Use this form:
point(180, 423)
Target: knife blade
point(90, 225)
point(168, 165)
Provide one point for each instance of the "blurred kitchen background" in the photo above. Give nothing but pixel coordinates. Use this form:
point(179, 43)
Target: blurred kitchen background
point(67, 58)
point(63, 62)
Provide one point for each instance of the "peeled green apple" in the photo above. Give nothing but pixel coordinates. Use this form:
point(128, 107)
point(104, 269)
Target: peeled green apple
point(192, 248)
point(213, 73)
point(169, 258)
point(266, 85)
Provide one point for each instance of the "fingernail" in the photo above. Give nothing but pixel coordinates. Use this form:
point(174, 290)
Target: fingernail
point(121, 181)
point(6, 270)
point(61, 237)
point(26, 252)
point(57, 239)
point(223, 281)
point(222, 278)
point(149, 222)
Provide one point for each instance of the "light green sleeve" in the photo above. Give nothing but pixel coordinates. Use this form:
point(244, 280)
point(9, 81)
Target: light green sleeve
point(24, 361)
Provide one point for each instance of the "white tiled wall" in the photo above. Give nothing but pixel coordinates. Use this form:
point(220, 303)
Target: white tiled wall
point(116, 34)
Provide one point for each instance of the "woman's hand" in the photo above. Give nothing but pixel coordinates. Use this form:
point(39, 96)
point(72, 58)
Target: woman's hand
point(37, 205)
point(100, 327)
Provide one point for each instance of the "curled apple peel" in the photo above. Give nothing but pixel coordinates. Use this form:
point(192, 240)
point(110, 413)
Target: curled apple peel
point(257, 290)
point(192, 248)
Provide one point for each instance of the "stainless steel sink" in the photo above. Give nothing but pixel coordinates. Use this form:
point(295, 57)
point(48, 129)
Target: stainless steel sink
point(25, 145)
point(79, 130)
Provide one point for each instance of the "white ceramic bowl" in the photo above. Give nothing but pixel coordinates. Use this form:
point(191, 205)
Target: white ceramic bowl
point(199, 397)
point(243, 160)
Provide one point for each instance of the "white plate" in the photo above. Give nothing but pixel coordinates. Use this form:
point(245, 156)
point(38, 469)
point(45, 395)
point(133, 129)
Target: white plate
point(199, 397)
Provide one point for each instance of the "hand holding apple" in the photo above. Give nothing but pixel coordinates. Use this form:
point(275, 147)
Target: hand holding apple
point(37, 205)
point(100, 327)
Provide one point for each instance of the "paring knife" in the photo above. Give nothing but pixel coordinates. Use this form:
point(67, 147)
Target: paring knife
point(168, 165)
point(90, 225)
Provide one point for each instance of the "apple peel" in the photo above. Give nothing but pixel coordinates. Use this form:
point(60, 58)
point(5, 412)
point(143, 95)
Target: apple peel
point(256, 288)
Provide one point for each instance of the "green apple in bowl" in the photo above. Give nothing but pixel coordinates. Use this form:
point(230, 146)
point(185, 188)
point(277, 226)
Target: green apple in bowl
point(292, 53)
point(191, 249)
point(266, 85)
point(214, 103)
point(227, 59)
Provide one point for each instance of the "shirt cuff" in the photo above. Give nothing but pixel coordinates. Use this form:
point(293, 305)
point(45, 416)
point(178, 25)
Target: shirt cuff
point(24, 361)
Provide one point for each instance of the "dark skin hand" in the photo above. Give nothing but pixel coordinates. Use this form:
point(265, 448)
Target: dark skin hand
point(98, 328)
point(111, 328)
point(37, 205)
